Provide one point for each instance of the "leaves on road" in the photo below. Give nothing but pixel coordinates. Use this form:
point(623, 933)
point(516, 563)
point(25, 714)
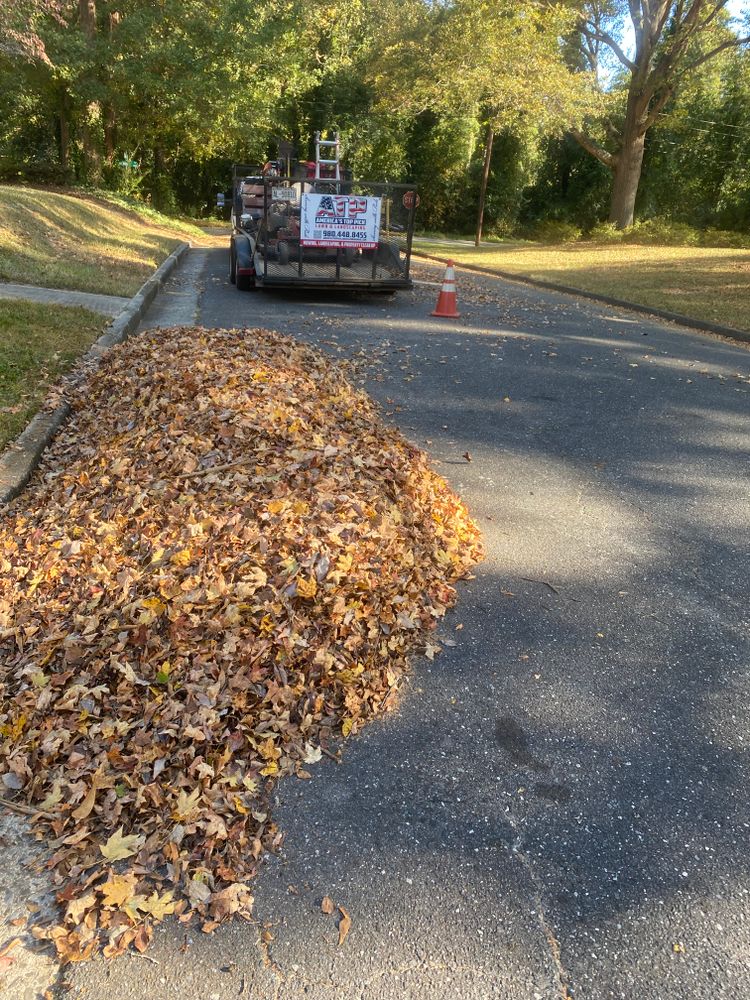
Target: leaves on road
point(222, 568)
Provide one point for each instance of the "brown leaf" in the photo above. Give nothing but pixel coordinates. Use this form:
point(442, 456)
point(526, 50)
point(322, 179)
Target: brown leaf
point(345, 923)
point(327, 905)
point(143, 937)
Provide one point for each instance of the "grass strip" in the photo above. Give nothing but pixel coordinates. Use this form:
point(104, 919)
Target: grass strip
point(38, 343)
point(705, 283)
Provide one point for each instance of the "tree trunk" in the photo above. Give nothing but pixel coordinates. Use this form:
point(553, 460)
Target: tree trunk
point(64, 119)
point(483, 188)
point(110, 127)
point(91, 160)
point(627, 176)
point(109, 114)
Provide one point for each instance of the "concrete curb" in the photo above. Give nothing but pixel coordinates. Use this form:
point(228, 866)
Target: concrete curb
point(20, 458)
point(553, 286)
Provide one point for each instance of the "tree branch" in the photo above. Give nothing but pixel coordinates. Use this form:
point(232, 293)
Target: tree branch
point(656, 108)
point(603, 155)
point(728, 44)
point(602, 36)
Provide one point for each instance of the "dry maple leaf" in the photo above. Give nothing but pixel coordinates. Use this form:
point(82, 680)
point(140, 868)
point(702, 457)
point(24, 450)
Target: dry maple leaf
point(119, 846)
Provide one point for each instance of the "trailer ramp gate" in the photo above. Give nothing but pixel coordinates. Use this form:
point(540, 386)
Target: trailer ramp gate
point(293, 233)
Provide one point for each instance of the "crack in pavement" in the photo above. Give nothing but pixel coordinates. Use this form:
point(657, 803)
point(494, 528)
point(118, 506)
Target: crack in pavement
point(562, 976)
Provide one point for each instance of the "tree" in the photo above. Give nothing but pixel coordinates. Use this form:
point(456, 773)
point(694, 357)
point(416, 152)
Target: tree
point(19, 27)
point(669, 43)
point(497, 60)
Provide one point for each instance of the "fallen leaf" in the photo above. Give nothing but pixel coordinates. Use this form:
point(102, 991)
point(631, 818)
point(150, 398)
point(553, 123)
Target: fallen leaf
point(327, 905)
point(119, 846)
point(345, 923)
point(118, 890)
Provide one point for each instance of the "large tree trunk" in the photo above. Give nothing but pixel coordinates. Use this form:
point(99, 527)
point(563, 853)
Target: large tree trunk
point(629, 160)
point(627, 176)
point(91, 159)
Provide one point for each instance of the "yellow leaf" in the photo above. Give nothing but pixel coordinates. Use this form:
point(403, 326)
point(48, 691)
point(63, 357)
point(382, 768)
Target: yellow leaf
point(52, 799)
point(154, 604)
point(187, 805)
point(271, 768)
point(118, 890)
point(276, 506)
point(347, 726)
point(182, 558)
point(119, 846)
point(240, 806)
point(159, 906)
point(307, 588)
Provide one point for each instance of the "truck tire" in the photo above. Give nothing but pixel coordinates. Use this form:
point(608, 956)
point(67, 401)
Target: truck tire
point(245, 282)
point(283, 251)
point(348, 257)
point(232, 263)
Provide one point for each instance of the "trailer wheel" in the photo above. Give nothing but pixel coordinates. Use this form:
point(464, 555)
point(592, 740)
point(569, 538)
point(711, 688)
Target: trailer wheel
point(283, 251)
point(348, 257)
point(232, 263)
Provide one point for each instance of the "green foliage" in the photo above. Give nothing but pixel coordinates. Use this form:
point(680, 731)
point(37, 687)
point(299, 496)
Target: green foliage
point(554, 231)
point(183, 90)
point(607, 232)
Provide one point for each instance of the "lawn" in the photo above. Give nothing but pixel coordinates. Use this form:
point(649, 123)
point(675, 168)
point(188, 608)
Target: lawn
point(37, 344)
point(60, 239)
point(705, 283)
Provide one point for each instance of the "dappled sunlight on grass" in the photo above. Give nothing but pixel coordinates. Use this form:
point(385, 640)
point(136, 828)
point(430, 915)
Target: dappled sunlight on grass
point(58, 240)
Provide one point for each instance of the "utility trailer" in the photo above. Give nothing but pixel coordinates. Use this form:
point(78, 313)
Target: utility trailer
point(310, 229)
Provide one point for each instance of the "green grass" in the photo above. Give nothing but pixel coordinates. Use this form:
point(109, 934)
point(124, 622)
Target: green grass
point(89, 242)
point(706, 283)
point(38, 343)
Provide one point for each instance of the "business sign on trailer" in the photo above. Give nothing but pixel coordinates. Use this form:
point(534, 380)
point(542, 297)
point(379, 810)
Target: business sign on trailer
point(340, 220)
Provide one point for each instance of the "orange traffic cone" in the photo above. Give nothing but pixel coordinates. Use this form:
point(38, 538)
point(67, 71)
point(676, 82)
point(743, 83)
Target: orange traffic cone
point(446, 303)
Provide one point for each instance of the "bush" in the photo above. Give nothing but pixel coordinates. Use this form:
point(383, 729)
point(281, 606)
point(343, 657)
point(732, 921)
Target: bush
point(725, 238)
point(663, 232)
point(14, 171)
point(554, 231)
point(607, 232)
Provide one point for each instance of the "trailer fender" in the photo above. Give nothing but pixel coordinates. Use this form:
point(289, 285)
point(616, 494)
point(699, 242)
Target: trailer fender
point(244, 248)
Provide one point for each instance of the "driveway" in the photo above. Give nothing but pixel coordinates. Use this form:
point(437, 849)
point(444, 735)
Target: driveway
point(559, 806)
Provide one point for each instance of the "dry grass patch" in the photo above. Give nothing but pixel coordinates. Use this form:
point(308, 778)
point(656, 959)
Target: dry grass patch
point(704, 283)
point(57, 239)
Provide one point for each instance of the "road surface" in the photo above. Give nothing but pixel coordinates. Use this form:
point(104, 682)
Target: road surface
point(559, 807)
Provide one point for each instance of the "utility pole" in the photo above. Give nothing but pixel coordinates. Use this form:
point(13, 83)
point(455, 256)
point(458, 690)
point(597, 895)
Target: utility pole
point(485, 177)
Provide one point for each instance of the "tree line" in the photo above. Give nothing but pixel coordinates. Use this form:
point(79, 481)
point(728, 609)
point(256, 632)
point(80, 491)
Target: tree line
point(578, 112)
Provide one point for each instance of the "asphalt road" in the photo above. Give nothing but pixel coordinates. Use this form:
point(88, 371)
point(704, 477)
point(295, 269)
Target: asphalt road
point(560, 804)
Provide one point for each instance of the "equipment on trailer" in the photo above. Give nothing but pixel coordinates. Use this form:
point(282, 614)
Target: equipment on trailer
point(314, 226)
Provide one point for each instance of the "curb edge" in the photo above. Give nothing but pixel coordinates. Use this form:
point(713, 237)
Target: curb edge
point(21, 457)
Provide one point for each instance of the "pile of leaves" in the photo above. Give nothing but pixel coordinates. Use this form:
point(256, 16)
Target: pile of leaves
point(221, 570)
